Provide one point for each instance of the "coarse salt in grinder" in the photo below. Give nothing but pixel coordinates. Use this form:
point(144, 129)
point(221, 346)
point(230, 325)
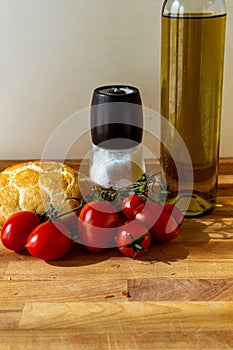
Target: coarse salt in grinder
point(116, 131)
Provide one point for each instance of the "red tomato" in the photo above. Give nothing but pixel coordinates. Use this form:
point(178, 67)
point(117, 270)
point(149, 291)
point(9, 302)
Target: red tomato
point(175, 212)
point(49, 241)
point(131, 204)
point(161, 224)
point(149, 214)
point(16, 229)
point(165, 228)
point(133, 239)
point(97, 225)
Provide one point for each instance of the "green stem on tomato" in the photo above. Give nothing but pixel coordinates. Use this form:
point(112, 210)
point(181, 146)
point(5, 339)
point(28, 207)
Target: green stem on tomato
point(136, 245)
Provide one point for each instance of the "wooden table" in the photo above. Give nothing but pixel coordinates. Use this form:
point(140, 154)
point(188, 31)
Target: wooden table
point(177, 296)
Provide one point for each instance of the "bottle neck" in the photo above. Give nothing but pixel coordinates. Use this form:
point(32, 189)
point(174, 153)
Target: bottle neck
point(194, 8)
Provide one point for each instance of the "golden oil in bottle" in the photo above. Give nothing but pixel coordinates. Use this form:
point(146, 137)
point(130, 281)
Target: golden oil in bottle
point(191, 99)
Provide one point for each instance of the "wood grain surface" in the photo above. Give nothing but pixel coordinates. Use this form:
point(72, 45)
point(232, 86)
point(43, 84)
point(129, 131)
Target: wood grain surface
point(177, 296)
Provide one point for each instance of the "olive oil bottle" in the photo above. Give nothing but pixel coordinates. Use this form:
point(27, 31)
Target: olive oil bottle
point(192, 59)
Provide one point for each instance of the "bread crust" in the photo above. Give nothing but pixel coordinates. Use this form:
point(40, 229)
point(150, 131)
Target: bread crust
point(35, 185)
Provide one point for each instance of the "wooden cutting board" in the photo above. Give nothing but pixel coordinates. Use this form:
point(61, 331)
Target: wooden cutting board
point(177, 296)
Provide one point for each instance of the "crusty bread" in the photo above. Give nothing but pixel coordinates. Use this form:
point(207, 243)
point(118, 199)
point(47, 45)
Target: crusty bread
point(34, 185)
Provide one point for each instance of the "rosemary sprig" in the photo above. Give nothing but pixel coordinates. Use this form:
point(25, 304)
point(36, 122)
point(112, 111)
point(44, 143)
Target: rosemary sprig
point(149, 187)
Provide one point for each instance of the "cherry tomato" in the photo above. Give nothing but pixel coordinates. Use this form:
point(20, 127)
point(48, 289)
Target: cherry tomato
point(165, 228)
point(161, 224)
point(175, 212)
point(131, 204)
point(133, 239)
point(97, 225)
point(49, 241)
point(149, 214)
point(16, 229)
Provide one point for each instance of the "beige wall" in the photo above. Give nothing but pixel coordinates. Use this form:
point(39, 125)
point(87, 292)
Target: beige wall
point(55, 52)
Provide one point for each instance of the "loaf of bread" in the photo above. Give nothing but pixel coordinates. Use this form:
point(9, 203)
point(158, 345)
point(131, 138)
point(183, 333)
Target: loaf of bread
point(33, 186)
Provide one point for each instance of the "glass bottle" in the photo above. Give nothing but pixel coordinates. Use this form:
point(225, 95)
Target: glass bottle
point(116, 131)
point(192, 60)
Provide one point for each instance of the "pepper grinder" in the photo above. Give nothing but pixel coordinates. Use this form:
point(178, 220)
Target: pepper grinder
point(116, 130)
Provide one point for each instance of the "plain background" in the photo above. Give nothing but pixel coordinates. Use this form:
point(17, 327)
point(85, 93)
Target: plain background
point(55, 52)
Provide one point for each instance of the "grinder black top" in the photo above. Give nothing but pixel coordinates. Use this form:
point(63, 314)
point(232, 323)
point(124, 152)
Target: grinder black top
point(116, 117)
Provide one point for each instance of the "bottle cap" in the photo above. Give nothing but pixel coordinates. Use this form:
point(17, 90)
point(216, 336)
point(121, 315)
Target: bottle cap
point(116, 117)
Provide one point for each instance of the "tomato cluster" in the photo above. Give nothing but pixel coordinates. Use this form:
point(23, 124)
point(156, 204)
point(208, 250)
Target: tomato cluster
point(48, 241)
point(98, 226)
point(157, 223)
